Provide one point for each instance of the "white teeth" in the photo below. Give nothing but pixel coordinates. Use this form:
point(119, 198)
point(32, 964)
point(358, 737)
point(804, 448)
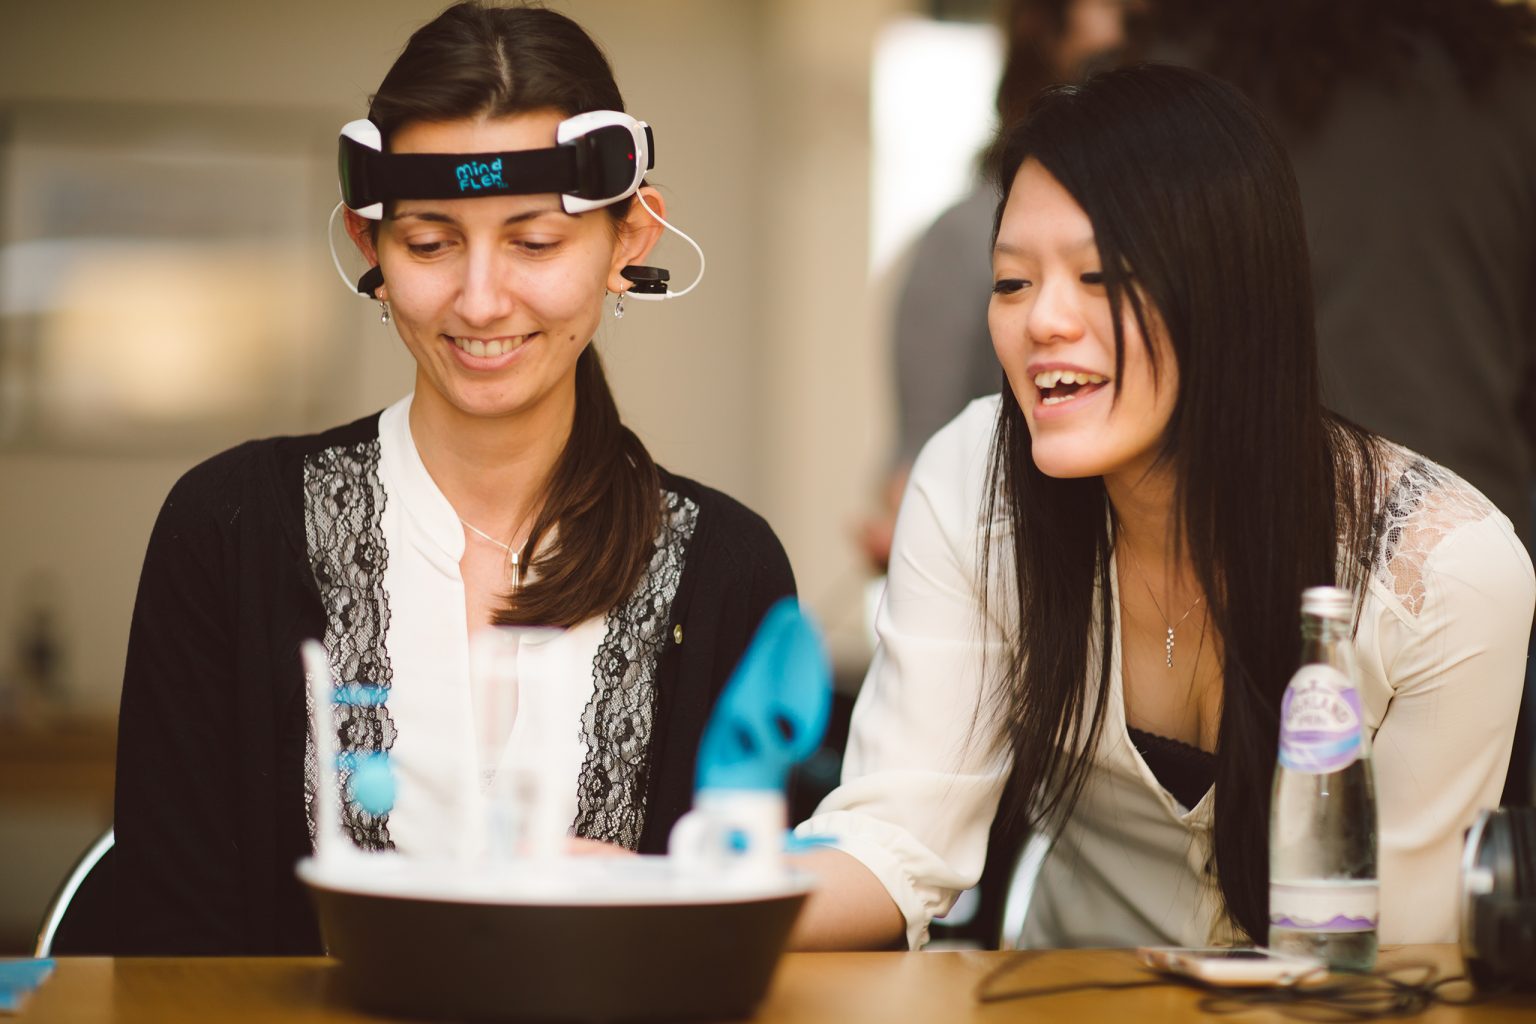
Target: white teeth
point(494, 347)
point(1050, 378)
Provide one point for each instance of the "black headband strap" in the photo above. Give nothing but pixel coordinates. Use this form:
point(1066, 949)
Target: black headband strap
point(369, 176)
point(460, 175)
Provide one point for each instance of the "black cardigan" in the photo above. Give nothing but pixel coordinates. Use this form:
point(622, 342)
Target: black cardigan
point(210, 812)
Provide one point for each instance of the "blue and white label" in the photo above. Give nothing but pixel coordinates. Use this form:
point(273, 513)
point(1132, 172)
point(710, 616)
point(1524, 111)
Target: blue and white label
point(1320, 721)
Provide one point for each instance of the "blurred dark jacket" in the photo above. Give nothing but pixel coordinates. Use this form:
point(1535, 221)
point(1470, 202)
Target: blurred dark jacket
point(1420, 201)
point(1421, 212)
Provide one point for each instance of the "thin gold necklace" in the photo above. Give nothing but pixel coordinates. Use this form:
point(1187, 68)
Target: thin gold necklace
point(1167, 640)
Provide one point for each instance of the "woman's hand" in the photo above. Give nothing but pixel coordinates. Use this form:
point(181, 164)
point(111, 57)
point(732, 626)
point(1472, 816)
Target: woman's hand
point(578, 847)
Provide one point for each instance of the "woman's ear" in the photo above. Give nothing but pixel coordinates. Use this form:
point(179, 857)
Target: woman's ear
point(638, 234)
point(361, 231)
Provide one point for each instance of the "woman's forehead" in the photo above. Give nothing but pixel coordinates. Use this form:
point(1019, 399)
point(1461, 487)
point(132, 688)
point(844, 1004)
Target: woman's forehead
point(500, 211)
point(1041, 215)
point(479, 134)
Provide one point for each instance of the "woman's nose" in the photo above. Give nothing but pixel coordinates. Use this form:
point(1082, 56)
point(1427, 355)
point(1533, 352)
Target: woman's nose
point(1054, 315)
point(485, 293)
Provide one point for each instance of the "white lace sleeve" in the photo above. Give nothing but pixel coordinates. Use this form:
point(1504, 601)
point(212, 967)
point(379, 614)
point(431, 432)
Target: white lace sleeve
point(1450, 608)
point(919, 789)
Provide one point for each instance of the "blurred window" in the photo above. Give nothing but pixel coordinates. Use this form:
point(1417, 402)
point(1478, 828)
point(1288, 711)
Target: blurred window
point(932, 96)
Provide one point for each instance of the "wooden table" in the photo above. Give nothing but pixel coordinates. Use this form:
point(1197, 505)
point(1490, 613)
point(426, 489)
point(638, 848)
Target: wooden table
point(836, 988)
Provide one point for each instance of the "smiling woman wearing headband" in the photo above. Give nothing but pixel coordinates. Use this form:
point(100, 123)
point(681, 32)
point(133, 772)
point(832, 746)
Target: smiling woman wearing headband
point(496, 191)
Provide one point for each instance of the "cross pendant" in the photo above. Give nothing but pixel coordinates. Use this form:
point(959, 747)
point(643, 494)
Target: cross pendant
point(1168, 646)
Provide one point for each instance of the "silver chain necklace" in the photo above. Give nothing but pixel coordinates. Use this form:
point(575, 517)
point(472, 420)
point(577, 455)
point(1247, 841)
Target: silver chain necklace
point(1167, 640)
point(513, 555)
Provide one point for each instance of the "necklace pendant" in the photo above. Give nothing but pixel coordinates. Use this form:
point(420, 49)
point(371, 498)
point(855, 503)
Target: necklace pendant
point(1168, 647)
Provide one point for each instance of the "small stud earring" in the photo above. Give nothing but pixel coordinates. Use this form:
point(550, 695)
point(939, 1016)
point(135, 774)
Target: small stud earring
point(383, 311)
point(618, 308)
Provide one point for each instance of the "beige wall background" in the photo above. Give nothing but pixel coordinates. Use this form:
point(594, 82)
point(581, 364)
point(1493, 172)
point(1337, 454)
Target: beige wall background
point(770, 382)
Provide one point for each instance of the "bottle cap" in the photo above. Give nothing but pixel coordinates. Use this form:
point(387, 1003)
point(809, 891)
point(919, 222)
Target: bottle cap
point(1327, 602)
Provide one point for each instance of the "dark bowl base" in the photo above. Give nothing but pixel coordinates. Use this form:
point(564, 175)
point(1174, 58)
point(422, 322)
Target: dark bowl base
point(462, 961)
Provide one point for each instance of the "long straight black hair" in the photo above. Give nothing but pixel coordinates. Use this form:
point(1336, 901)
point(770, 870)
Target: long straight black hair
point(1198, 223)
point(603, 493)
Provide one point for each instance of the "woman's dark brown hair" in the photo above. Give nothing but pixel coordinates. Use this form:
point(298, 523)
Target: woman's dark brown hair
point(601, 503)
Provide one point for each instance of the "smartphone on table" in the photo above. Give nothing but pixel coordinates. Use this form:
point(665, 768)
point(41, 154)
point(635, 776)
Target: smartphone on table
point(1233, 966)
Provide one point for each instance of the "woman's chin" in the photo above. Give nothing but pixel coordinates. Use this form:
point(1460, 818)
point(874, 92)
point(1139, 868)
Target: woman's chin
point(1067, 465)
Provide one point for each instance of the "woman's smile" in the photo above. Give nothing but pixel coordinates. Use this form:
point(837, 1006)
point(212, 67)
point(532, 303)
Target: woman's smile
point(1062, 389)
point(486, 355)
point(491, 347)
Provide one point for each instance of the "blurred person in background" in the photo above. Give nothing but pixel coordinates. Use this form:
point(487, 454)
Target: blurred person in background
point(504, 489)
point(1412, 128)
point(943, 357)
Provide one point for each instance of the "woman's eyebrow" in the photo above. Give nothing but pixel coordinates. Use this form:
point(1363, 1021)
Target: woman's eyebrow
point(437, 217)
point(430, 216)
point(518, 218)
point(1012, 249)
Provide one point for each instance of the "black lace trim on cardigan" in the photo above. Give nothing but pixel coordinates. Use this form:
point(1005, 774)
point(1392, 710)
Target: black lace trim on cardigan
point(343, 511)
point(618, 720)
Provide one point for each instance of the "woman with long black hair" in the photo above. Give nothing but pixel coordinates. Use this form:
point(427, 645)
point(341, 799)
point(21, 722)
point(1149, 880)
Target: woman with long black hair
point(498, 211)
point(1093, 606)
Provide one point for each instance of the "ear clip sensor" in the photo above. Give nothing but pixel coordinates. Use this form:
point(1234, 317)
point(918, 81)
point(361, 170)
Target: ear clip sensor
point(650, 283)
point(646, 280)
point(371, 281)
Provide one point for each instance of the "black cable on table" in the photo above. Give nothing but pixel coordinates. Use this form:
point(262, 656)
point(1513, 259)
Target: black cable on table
point(1377, 995)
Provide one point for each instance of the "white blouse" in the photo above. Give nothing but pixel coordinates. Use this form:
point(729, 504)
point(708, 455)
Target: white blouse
point(451, 735)
point(1441, 647)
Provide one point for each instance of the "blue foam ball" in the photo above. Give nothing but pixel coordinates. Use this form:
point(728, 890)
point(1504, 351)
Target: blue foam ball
point(372, 785)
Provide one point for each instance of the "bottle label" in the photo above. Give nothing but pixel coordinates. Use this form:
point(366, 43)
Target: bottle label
point(1320, 721)
point(1343, 905)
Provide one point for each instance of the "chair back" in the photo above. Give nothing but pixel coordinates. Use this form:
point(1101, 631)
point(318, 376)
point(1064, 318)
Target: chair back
point(78, 918)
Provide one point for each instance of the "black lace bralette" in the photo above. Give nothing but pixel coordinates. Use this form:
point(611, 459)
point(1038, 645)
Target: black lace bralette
point(1185, 771)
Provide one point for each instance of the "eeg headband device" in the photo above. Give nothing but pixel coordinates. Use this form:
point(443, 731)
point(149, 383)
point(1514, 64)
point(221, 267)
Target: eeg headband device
point(599, 158)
